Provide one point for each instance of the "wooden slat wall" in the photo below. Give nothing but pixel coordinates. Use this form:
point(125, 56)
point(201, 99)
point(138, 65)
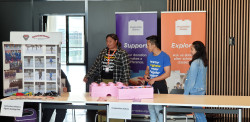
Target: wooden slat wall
point(228, 71)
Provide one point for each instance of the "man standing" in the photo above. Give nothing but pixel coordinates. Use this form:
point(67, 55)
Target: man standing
point(158, 69)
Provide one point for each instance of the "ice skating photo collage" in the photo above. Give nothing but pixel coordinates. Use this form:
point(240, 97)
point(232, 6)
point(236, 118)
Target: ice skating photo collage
point(40, 68)
point(31, 68)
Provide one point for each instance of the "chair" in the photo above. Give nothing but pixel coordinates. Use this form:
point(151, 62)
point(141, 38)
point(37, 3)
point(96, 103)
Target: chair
point(103, 113)
point(177, 91)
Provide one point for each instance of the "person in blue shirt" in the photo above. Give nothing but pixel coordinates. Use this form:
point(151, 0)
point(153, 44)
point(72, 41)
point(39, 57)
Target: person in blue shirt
point(51, 60)
point(157, 70)
point(195, 83)
point(50, 75)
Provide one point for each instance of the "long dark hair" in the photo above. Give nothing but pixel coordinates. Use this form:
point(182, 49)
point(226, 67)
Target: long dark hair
point(115, 37)
point(200, 52)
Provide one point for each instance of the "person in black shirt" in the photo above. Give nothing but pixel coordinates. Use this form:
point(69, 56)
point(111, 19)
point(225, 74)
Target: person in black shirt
point(60, 113)
point(112, 63)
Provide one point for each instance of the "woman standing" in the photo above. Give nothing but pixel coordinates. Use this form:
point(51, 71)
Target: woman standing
point(112, 63)
point(195, 83)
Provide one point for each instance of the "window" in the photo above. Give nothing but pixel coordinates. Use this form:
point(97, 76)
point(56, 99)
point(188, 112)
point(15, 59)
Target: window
point(73, 41)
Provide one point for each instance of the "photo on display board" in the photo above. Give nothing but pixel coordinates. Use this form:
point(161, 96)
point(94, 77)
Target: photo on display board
point(39, 74)
point(10, 91)
point(28, 61)
point(16, 65)
point(28, 74)
point(58, 76)
point(59, 83)
point(51, 75)
point(50, 49)
point(50, 61)
point(39, 61)
point(16, 83)
point(9, 74)
point(39, 87)
point(29, 86)
point(58, 63)
point(58, 51)
point(12, 52)
point(33, 49)
point(51, 86)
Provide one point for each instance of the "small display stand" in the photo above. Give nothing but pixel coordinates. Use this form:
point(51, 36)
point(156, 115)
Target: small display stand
point(31, 62)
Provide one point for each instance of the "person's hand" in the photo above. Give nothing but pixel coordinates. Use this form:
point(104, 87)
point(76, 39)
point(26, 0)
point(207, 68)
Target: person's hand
point(146, 77)
point(65, 89)
point(137, 81)
point(125, 84)
point(85, 79)
point(151, 81)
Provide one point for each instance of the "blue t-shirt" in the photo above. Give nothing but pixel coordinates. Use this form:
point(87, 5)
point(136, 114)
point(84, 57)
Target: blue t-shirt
point(157, 63)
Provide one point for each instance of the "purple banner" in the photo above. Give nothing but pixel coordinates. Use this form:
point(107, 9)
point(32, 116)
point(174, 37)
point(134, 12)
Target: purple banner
point(132, 29)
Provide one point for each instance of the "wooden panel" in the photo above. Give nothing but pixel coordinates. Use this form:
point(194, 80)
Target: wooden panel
point(228, 71)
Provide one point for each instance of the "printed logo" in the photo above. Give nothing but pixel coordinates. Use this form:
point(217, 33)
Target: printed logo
point(183, 27)
point(26, 37)
point(40, 37)
point(135, 28)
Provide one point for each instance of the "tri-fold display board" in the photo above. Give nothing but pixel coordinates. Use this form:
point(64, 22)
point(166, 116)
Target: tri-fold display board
point(31, 62)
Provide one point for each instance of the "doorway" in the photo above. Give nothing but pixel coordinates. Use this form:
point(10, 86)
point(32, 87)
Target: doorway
point(73, 40)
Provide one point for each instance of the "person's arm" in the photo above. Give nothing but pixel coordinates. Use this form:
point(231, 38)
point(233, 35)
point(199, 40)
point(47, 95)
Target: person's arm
point(191, 77)
point(146, 76)
point(67, 88)
point(93, 68)
point(126, 67)
point(165, 75)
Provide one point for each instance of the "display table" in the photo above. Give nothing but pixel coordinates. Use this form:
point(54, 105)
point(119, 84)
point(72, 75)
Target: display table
point(220, 102)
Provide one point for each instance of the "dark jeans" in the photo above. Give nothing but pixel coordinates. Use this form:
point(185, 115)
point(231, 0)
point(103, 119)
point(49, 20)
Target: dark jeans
point(160, 86)
point(60, 114)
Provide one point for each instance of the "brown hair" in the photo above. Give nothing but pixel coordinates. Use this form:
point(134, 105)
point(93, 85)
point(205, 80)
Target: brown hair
point(115, 37)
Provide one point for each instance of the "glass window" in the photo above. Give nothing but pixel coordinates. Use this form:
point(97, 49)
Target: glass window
point(76, 39)
point(72, 51)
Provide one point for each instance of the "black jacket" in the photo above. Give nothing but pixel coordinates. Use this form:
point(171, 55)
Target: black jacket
point(63, 75)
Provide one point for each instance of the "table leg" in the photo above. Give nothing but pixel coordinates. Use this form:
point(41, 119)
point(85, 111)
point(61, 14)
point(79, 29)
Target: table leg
point(164, 113)
point(240, 115)
point(107, 113)
point(40, 112)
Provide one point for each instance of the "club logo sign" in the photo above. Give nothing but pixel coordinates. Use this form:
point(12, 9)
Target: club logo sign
point(183, 27)
point(26, 37)
point(135, 28)
point(40, 37)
